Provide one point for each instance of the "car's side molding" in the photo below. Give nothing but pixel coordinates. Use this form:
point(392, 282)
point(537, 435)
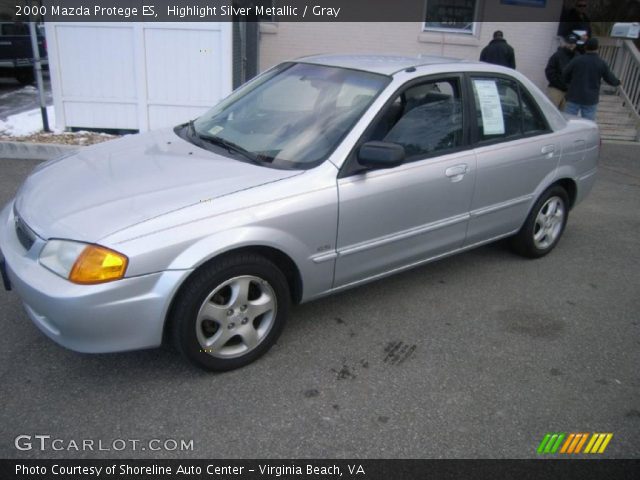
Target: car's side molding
point(407, 267)
point(500, 206)
point(378, 242)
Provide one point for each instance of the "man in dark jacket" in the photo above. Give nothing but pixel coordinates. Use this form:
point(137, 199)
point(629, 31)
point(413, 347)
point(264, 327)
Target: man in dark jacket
point(583, 75)
point(498, 52)
point(557, 87)
point(576, 20)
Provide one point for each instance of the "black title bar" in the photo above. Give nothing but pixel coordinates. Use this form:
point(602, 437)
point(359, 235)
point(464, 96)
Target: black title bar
point(584, 469)
point(313, 10)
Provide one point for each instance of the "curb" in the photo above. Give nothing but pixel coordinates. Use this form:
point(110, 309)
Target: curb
point(34, 151)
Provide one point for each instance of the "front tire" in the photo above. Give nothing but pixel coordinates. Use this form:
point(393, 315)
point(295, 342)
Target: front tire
point(231, 312)
point(545, 224)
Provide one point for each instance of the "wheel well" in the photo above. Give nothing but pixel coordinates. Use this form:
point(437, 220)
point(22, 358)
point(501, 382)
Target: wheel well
point(279, 258)
point(571, 188)
point(283, 262)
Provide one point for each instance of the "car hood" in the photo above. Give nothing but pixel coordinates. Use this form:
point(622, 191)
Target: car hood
point(111, 186)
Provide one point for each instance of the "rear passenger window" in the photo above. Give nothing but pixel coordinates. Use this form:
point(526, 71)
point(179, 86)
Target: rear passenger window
point(532, 121)
point(497, 108)
point(504, 110)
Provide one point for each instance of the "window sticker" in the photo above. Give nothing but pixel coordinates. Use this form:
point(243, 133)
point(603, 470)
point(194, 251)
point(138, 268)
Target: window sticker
point(490, 107)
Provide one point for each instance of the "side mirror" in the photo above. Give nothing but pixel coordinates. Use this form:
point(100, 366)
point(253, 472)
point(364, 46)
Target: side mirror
point(381, 155)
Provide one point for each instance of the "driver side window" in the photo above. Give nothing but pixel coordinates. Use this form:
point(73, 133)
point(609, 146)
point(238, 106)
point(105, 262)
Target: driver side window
point(425, 119)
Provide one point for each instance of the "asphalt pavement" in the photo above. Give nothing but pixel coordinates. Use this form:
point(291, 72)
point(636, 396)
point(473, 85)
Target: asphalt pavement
point(478, 355)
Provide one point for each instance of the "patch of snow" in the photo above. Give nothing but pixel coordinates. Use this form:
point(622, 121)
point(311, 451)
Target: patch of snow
point(29, 89)
point(27, 123)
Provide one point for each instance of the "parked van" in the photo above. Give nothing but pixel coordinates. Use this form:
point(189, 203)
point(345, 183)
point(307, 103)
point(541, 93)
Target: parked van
point(16, 55)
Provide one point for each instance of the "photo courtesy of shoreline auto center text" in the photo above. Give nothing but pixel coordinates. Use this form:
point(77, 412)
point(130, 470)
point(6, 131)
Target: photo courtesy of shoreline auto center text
point(319, 239)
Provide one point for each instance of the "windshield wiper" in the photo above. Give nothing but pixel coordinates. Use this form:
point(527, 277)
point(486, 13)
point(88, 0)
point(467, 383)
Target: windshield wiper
point(219, 141)
point(230, 146)
point(192, 128)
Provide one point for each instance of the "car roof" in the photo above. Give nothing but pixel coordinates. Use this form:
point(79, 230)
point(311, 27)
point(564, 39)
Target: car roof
point(392, 64)
point(384, 64)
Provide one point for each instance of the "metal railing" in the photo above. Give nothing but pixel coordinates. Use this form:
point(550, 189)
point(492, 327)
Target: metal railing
point(624, 60)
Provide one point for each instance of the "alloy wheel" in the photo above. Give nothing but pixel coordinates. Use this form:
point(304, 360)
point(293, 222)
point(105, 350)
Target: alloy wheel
point(548, 224)
point(236, 317)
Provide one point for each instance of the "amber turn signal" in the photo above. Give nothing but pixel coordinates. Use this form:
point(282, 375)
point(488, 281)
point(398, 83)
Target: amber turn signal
point(98, 264)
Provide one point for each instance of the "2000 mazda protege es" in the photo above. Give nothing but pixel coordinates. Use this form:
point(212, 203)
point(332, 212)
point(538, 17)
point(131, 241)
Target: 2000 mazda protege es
point(319, 175)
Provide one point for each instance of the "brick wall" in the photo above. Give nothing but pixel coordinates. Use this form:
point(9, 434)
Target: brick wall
point(533, 42)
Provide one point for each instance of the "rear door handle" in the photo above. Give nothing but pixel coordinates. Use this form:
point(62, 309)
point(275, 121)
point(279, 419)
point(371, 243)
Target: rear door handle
point(548, 150)
point(456, 172)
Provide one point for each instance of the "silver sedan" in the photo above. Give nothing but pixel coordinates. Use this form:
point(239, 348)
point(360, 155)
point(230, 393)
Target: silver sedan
point(319, 175)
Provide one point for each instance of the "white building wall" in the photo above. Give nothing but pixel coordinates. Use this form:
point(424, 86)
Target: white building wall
point(137, 76)
point(533, 42)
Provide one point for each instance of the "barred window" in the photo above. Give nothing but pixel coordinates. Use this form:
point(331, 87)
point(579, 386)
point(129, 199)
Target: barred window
point(456, 16)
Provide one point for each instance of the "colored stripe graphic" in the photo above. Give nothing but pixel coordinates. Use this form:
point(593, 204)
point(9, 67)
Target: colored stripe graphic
point(576, 439)
point(555, 447)
point(550, 443)
point(567, 443)
point(572, 443)
point(582, 440)
point(543, 443)
point(596, 445)
point(598, 442)
point(605, 443)
point(594, 437)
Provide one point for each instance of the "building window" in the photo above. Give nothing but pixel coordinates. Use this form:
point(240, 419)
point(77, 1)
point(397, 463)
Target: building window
point(457, 16)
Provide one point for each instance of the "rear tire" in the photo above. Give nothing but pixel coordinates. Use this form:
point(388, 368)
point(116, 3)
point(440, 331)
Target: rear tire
point(544, 225)
point(231, 312)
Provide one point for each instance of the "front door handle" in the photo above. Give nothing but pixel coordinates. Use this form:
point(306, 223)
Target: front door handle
point(456, 172)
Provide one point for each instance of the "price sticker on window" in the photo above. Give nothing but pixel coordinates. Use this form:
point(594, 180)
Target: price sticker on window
point(490, 107)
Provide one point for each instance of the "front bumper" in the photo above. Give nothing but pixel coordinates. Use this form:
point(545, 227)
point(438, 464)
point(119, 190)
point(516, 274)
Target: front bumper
point(126, 314)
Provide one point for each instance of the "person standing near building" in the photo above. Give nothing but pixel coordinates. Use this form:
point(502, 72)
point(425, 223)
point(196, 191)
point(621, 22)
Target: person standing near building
point(583, 76)
point(557, 88)
point(576, 21)
point(499, 52)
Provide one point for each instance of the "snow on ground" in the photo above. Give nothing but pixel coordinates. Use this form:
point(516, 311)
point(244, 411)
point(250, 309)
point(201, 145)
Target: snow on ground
point(27, 127)
point(27, 123)
point(21, 120)
point(28, 90)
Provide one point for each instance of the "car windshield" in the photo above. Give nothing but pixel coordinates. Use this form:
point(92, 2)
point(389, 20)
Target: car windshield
point(293, 116)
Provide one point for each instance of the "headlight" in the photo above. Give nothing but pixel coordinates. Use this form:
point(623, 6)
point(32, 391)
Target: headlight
point(82, 262)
